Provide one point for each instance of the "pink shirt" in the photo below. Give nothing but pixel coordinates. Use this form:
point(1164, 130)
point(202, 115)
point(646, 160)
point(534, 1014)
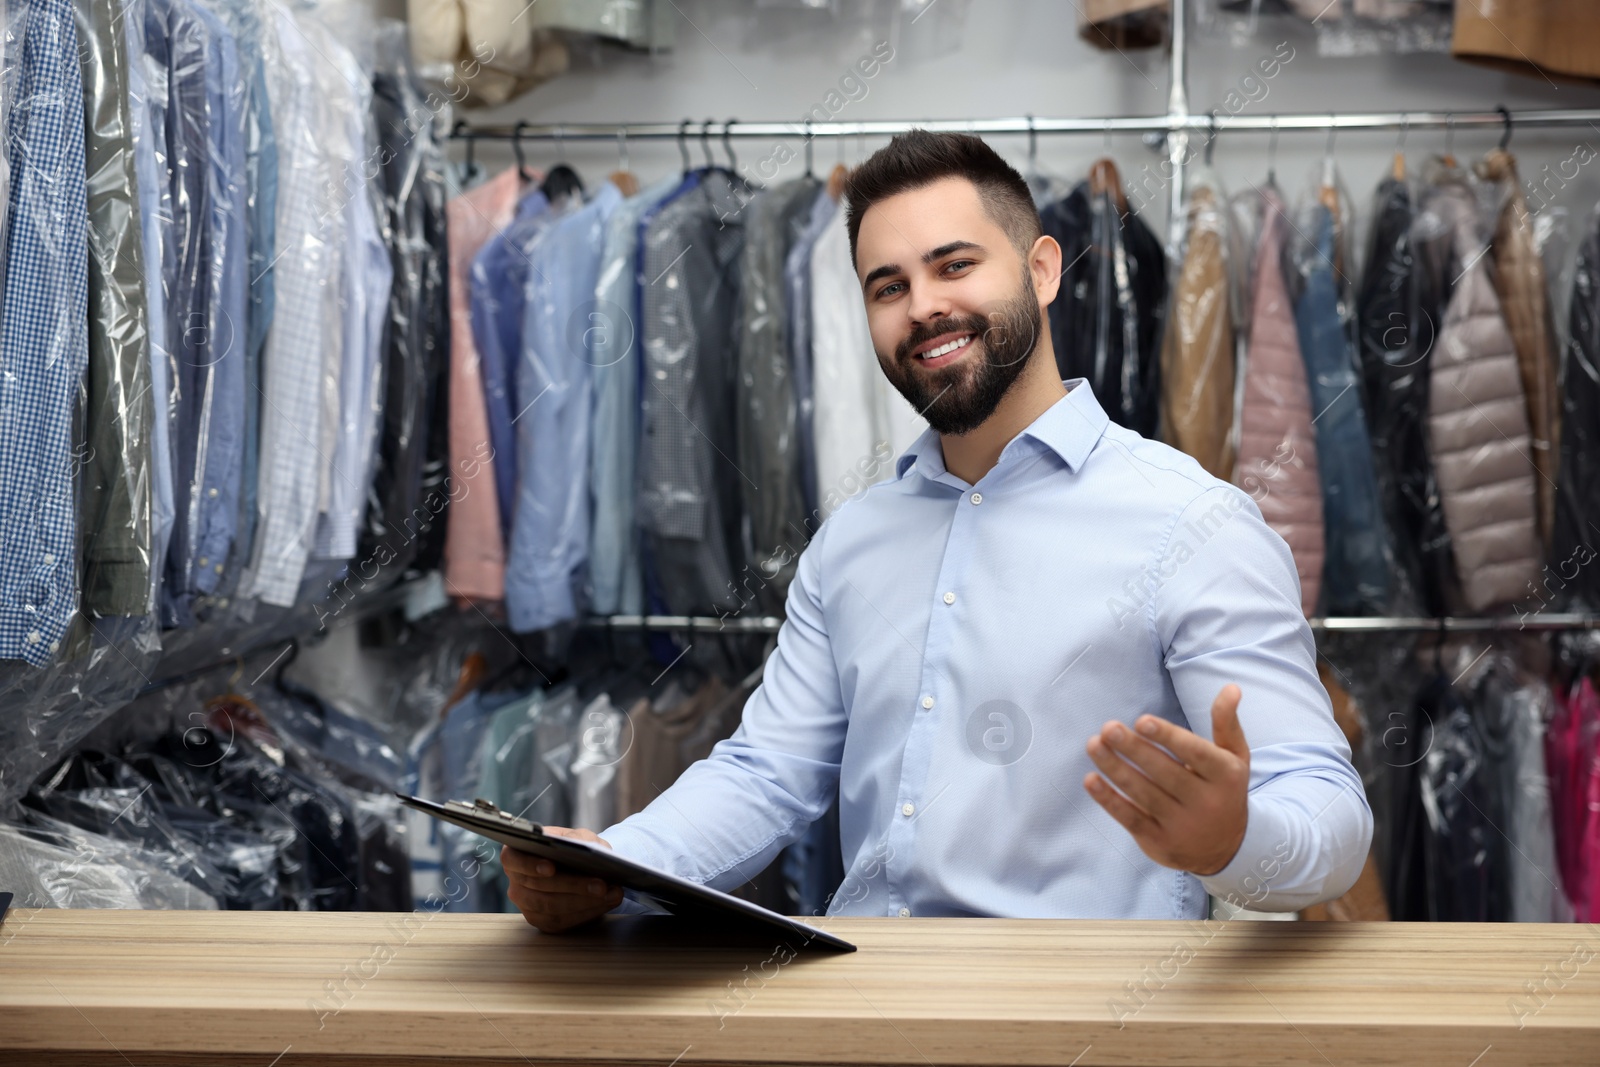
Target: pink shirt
point(474, 554)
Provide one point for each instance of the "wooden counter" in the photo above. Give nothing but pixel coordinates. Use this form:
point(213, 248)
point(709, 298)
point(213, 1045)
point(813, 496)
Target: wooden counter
point(174, 988)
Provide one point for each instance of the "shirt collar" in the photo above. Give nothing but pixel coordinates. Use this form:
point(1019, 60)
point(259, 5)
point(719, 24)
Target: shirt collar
point(1070, 428)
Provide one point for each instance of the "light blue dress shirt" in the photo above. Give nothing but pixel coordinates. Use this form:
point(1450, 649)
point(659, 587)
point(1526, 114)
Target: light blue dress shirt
point(220, 473)
point(545, 564)
point(950, 648)
point(499, 284)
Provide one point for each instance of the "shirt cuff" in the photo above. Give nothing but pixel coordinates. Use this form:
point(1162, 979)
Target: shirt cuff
point(1249, 878)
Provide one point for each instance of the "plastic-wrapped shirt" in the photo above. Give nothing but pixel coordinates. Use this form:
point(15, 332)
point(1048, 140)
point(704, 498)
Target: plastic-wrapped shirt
point(550, 527)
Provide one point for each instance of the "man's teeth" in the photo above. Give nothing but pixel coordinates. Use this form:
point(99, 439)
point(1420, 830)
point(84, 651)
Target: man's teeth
point(934, 353)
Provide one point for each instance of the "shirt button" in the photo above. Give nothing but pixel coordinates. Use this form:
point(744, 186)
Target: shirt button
point(34, 637)
point(204, 562)
point(49, 557)
point(217, 568)
point(977, 498)
point(949, 598)
point(927, 702)
point(905, 913)
point(211, 492)
point(907, 808)
point(54, 645)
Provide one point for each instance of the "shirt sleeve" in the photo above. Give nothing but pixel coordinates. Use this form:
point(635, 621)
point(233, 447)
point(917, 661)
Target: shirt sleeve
point(729, 815)
point(1228, 610)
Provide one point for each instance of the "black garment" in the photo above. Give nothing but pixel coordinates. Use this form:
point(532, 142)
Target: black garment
point(1106, 319)
point(1394, 342)
point(1446, 855)
point(409, 493)
point(100, 793)
point(1573, 573)
point(312, 827)
point(1436, 269)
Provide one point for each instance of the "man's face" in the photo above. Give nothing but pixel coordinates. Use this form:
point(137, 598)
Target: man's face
point(954, 309)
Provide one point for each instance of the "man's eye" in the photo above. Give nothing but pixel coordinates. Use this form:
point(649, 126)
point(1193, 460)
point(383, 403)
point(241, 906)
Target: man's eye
point(888, 289)
point(958, 263)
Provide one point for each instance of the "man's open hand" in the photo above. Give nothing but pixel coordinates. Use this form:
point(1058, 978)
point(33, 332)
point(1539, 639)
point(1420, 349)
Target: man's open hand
point(1187, 812)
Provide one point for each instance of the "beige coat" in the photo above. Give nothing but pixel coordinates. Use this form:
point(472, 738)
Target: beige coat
point(1478, 425)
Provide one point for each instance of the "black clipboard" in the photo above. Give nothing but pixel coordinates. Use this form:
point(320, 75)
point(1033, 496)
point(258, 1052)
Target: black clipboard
point(681, 897)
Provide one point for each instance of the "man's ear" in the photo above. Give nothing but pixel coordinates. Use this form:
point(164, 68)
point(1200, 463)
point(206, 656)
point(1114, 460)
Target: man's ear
point(1044, 264)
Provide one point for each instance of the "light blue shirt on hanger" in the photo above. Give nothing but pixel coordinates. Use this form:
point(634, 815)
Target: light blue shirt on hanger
point(950, 648)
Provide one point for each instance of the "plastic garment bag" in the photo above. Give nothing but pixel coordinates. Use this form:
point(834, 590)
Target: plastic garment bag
point(411, 482)
point(201, 112)
point(1519, 279)
point(43, 350)
point(688, 506)
point(1393, 343)
point(1446, 859)
point(1513, 712)
point(1356, 569)
point(303, 346)
point(106, 796)
point(1477, 413)
point(66, 867)
point(1197, 357)
point(548, 553)
point(1106, 319)
point(1573, 575)
point(1277, 457)
point(114, 505)
point(768, 434)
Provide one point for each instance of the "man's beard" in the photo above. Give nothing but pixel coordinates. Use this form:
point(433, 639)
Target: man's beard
point(960, 397)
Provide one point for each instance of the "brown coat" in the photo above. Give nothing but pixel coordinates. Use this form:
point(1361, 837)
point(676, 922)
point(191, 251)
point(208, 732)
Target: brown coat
point(1519, 279)
point(1478, 425)
point(1197, 354)
point(1277, 443)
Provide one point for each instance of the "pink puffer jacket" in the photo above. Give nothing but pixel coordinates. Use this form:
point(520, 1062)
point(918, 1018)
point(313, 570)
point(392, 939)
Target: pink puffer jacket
point(1277, 444)
point(1478, 425)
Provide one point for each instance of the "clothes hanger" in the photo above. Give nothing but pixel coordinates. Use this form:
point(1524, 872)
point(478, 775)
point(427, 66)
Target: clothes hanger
point(1211, 137)
point(683, 146)
point(561, 182)
point(1397, 170)
point(1505, 131)
point(1104, 180)
point(809, 140)
point(622, 177)
point(516, 150)
point(705, 144)
point(1449, 140)
point(1272, 154)
point(473, 668)
point(727, 146)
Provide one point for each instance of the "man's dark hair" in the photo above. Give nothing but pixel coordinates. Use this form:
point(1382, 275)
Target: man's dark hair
point(912, 160)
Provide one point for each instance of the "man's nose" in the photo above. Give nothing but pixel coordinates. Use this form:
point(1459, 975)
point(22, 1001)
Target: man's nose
point(927, 305)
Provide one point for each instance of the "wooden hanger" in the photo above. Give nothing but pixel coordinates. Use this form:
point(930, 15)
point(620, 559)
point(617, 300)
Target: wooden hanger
point(473, 668)
point(624, 181)
point(1104, 178)
point(836, 180)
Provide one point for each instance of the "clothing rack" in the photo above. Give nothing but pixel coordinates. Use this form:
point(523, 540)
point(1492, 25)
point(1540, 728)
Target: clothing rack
point(1175, 127)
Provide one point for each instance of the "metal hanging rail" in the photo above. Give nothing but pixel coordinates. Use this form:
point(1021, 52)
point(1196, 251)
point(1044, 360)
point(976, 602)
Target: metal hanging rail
point(1202, 123)
point(1532, 623)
